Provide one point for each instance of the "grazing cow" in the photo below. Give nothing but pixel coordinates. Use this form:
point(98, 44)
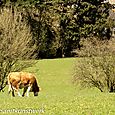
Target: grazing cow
point(19, 80)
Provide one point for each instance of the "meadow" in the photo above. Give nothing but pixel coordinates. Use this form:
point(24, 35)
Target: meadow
point(58, 95)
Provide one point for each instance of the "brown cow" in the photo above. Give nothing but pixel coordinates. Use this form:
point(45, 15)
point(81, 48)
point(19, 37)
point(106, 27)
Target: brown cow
point(19, 80)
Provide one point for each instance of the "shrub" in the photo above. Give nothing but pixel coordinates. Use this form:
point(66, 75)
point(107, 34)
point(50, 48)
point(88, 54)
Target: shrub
point(96, 68)
point(15, 43)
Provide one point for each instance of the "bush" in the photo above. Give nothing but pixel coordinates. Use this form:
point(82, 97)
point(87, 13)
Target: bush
point(96, 68)
point(15, 43)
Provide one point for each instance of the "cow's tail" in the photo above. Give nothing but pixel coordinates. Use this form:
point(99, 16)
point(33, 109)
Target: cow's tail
point(9, 84)
point(8, 79)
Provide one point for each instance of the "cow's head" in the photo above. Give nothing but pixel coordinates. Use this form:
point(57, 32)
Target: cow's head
point(36, 90)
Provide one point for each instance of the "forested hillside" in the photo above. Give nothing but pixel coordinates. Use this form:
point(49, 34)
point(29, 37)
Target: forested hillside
point(57, 26)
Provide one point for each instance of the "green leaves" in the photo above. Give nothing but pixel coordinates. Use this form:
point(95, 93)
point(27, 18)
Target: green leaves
point(59, 25)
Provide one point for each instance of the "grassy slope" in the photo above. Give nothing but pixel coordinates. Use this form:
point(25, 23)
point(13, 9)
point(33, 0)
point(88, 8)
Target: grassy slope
point(58, 95)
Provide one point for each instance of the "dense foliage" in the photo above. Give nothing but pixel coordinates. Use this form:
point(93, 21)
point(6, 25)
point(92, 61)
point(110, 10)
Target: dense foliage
point(58, 25)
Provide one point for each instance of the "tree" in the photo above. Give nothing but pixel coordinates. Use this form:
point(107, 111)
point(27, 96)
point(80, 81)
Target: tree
point(96, 67)
point(59, 25)
point(82, 18)
point(69, 28)
point(21, 2)
point(16, 43)
point(92, 17)
point(46, 30)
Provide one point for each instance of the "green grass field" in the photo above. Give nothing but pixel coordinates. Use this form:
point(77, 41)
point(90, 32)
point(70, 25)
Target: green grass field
point(58, 95)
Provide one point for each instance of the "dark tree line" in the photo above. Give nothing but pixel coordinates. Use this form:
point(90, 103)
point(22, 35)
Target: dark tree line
point(58, 25)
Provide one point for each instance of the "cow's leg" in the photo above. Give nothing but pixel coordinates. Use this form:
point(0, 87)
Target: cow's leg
point(9, 89)
point(17, 91)
point(12, 89)
point(19, 94)
point(13, 93)
point(28, 90)
point(25, 89)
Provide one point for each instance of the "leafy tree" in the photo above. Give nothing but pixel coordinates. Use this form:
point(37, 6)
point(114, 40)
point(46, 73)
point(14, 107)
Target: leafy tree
point(92, 18)
point(82, 18)
point(58, 25)
point(21, 2)
point(69, 29)
point(43, 30)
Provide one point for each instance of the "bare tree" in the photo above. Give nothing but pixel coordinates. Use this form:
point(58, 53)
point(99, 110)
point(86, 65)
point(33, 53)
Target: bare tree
point(16, 43)
point(96, 68)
